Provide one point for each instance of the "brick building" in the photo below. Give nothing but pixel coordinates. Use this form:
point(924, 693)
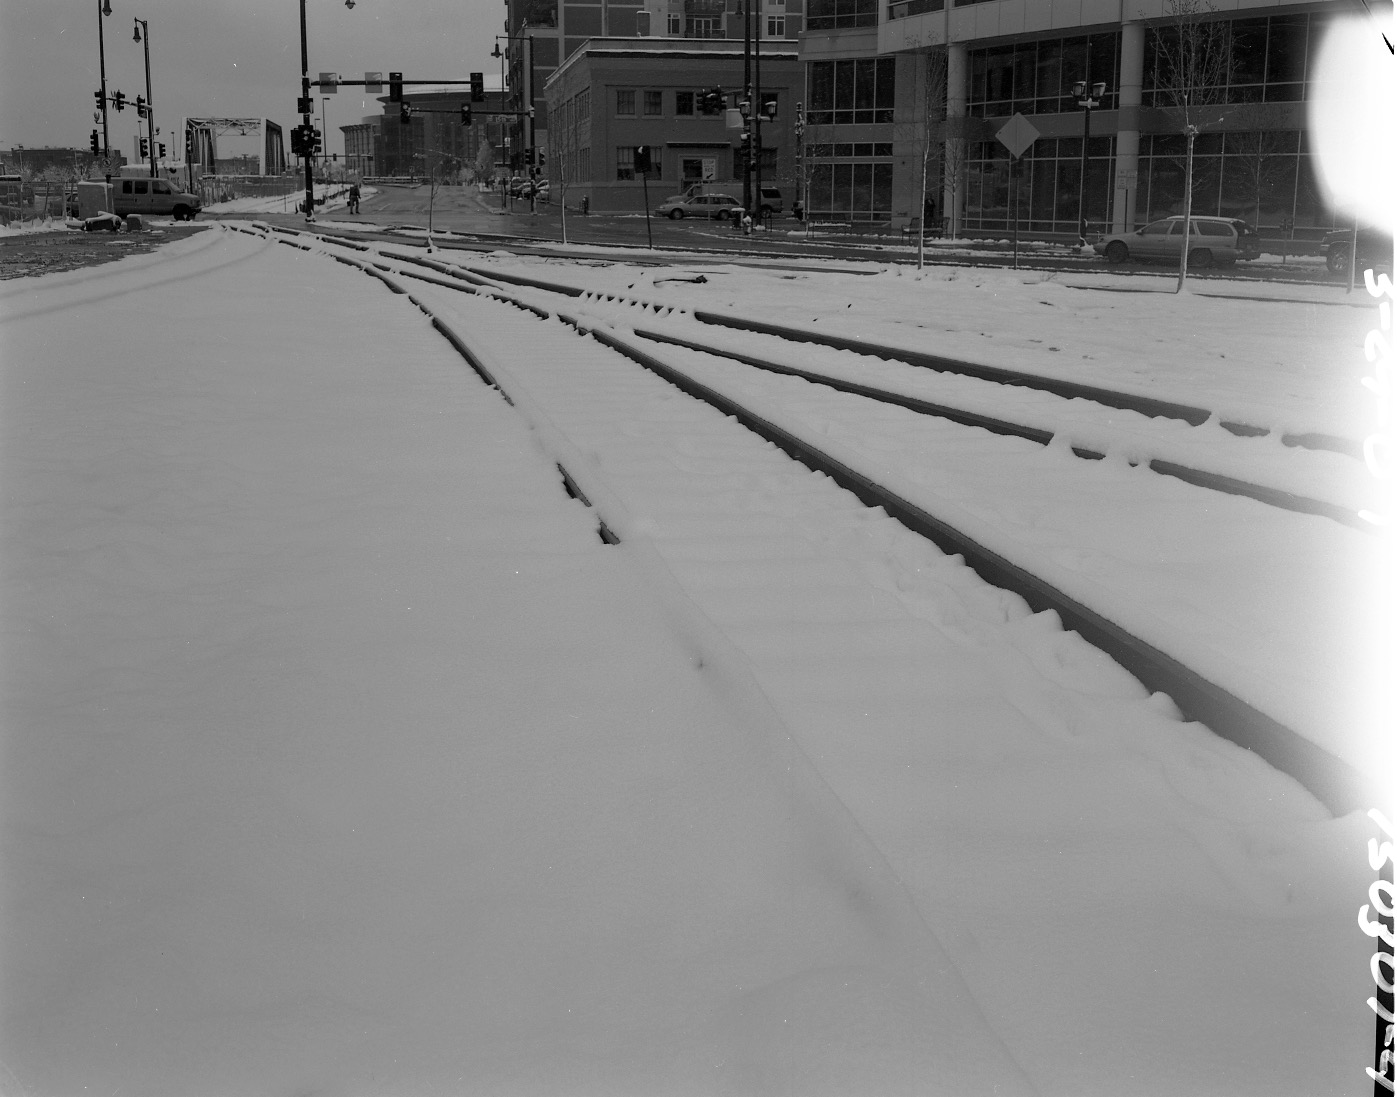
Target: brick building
point(612, 95)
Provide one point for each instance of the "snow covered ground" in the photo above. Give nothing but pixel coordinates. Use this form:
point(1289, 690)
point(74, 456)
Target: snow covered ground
point(341, 756)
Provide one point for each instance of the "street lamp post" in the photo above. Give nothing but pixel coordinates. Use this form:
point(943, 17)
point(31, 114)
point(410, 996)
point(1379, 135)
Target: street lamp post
point(1086, 102)
point(104, 7)
point(504, 187)
point(142, 25)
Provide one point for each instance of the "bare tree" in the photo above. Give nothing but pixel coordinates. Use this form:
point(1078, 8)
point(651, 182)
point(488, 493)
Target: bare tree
point(440, 166)
point(1193, 52)
point(1253, 150)
point(564, 155)
point(955, 158)
point(932, 134)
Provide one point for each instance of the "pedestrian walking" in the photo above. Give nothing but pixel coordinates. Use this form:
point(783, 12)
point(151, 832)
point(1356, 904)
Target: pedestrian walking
point(353, 197)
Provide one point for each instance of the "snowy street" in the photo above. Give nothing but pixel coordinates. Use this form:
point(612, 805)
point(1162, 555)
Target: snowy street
point(340, 755)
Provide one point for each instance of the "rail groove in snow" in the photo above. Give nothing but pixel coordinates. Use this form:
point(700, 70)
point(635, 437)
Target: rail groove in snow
point(462, 348)
point(1335, 783)
point(1212, 481)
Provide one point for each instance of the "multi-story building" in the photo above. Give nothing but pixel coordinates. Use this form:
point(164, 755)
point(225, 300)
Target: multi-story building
point(363, 145)
point(613, 95)
point(541, 35)
point(876, 71)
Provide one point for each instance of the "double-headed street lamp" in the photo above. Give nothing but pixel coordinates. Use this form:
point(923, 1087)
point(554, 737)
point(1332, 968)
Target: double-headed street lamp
point(1086, 102)
point(142, 25)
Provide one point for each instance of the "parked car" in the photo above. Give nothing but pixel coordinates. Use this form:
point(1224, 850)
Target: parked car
point(1221, 240)
point(1374, 249)
point(541, 190)
point(772, 201)
point(720, 206)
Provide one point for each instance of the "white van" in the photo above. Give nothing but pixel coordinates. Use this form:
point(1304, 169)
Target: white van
point(153, 197)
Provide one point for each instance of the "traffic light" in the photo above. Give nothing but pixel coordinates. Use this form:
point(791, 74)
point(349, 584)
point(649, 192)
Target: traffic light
point(465, 114)
point(642, 160)
point(119, 100)
point(395, 87)
point(96, 148)
point(744, 147)
point(405, 114)
point(477, 87)
point(140, 106)
point(298, 141)
point(145, 148)
point(305, 105)
point(160, 150)
point(98, 96)
point(314, 141)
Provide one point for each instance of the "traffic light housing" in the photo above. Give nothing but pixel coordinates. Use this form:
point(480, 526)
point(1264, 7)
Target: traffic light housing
point(119, 100)
point(643, 165)
point(395, 87)
point(465, 115)
point(97, 95)
point(140, 106)
point(160, 150)
point(314, 142)
point(145, 148)
point(477, 87)
point(405, 114)
point(96, 147)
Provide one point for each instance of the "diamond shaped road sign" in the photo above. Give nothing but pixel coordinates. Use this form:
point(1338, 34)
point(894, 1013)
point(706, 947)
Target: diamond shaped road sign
point(1016, 135)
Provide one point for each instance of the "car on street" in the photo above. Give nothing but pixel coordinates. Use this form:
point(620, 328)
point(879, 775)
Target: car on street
point(1212, 240)
point(1374, 249)
point(720, 206)
point(772, 201)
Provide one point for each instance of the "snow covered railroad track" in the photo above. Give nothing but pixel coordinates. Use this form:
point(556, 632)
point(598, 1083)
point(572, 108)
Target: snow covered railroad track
point(1233, 700)
point(974, 408)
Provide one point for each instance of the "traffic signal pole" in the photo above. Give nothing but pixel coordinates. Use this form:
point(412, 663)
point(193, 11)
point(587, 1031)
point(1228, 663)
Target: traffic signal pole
point(102, 60)
point(306, 126)
point(756, 142)
point(747, 95)
point(150, 102)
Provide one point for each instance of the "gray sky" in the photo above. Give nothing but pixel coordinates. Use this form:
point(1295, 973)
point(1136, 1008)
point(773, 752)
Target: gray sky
point(222, 58)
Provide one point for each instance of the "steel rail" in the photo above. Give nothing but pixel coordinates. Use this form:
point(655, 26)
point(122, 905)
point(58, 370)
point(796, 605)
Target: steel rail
point(1334, 782)
point(1213, 481)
